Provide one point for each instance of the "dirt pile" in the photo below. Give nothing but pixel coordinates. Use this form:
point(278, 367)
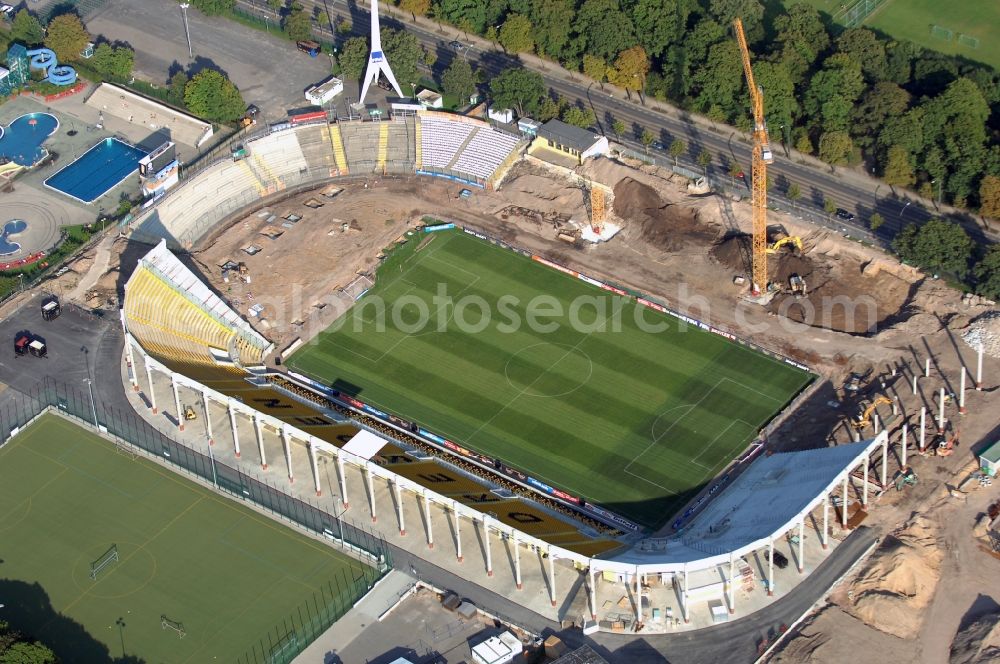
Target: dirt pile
point(820, 640)
point(666, 226)
point(733, 251)
point(899, 580)
point(544, 194)
point(985, 330)
point(978, 642)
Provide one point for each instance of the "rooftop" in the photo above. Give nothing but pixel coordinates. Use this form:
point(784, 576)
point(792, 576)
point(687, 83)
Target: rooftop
point(568, 135)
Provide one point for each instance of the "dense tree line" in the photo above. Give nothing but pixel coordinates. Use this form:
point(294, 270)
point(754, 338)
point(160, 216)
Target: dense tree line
point(919, 118)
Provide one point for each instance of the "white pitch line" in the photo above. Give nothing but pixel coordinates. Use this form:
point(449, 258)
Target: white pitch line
point(748, 388)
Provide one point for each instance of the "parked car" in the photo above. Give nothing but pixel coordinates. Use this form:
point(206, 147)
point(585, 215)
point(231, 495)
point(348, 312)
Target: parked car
point(656, 145)
point(844, 214)
point(7, 11)
point(457, 45)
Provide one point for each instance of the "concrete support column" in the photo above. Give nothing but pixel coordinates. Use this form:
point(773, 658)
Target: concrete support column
point(770, 566)
point(458, 531)
point(961, 393)
point(979, 367)
point(927, 368)
point(236, 431)
point(923, 428)
point(826, 522)
point(638, 596)
point(732, 584)
point(314, 464)
point(552, 577)
point(684, 598)
point(885, 461)
point(152, 389)
point(399, 509)
point(802, 539)
point(843, 506)
point(914, 384)
point(177, 403)
point(287, 443)
point(427, 518)
point(489, 552)
point(517, 564)
point(864, 489)
point(130, 361)
point(902, 448)
point(371, 493)
point(876, 423)
point(941, 419)
point(343, 483)
point(260, 442)
point(208, 418)
point(593, 593)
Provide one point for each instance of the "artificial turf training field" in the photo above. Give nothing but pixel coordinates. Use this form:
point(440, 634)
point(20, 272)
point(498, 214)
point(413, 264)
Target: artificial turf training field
point(230, 575)
point(629, 419)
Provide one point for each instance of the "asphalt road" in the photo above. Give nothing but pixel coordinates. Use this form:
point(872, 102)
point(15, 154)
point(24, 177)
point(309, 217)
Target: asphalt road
point(854, 192)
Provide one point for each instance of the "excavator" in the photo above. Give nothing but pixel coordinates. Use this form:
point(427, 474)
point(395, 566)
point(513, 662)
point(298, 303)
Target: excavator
point(787, 241)
point(905, 477)
point(864, 418)
point(946, 446)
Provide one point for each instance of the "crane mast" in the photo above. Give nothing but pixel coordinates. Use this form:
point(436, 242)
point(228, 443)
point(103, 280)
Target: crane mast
point(762, 156)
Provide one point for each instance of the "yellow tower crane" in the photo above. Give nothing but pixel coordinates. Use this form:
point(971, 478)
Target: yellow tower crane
point(761, 158)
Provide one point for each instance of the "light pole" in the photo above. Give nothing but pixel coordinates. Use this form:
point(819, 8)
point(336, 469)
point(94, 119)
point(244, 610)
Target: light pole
point(187, 32)
point(938, 182)
point(93, 404)
point(211, 457)
point(904, 209)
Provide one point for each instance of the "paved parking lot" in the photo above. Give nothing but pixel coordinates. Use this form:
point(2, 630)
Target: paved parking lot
point(266, 68)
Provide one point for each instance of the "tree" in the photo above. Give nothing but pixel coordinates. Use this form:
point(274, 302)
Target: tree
point(751, 12)
point(547, 109)
point(660, 23)
point(875, 222)
point(469, 15)
point(804, 144)
point(607, 29)
point(619, 128)
point(866, 49)
point(884, 101)
point(353, 58)
point(518, 88)
point(835, 147)
point(676, 149)
point(516, 34)
point(987, 273)
point(113, 63)
point(67, 37)
point(631, 67)
point(720, 80)
point(832, 92)
point(898, 168)
point(212, 96)
point(15, 648)
point(595, 68)
point(298, 26)
point(214, 7)
point(801, 37)
point(735, 171)
point(26, 29)
point(415, 7)
point(553, 20)
point(405, 53)
point(458, 80)
point(937, 245)
point(794, 193)
point(579, 117)
point(646, 138)
point(322, 18)
point(704, 159)
point(175, 91)
point(989, 196)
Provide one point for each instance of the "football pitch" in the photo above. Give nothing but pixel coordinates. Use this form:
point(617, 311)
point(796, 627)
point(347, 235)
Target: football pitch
point(587, 391)
point(225, 577)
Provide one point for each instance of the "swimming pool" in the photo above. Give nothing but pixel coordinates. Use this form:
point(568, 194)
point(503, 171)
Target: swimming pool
point(97, 171)
point(12, 227)
point(21, 142)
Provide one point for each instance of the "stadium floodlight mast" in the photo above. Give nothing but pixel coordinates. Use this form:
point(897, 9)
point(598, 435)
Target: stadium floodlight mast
point(377, 63)
point(93, 404)
point(187, 31)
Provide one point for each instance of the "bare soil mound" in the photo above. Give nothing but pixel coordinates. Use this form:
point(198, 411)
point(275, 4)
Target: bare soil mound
point(666, 226)
point(978, 642)
point(899, 580)
point(733, 251)
point(823, 639)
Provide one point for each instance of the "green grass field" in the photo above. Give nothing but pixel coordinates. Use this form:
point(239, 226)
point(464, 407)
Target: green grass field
point(629, 419)
point(912, 20)
point(230, 575)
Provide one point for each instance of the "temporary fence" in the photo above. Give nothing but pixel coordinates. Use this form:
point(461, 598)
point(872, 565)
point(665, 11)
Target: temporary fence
point(132, 433)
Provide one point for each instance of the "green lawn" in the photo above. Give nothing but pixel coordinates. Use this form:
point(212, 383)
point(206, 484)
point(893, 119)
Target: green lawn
point(912, 20)
point(629, 419)
point(230, 575)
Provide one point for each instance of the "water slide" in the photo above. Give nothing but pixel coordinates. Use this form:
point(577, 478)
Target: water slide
point(57, 74)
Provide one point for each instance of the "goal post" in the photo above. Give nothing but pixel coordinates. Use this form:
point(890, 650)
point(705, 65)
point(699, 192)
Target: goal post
point(176, 625)
point(107, 558)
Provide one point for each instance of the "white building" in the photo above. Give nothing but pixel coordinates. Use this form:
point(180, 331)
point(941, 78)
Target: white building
point(323, 92)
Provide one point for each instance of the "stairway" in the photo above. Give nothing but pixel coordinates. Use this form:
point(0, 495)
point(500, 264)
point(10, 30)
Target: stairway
point(383, 145)
point(420, 154)
point(338, 149)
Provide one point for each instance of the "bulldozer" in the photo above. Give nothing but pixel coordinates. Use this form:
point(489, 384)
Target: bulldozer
point(797, 285)
point(864, 417)
point(905, 477)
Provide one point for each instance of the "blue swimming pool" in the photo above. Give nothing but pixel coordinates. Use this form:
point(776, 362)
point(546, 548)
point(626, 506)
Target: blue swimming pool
point(21, 142)
point(12, 227)
point(97, 171)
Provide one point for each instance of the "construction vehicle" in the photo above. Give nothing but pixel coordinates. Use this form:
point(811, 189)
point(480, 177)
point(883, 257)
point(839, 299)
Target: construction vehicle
point(25, 343)
point(853, 382)
point(50, 308)
point(864, 417)
point(761, 157)
point(945, 445)
point(189, 413)
point(787, 241)
point(905, 477)
point(249, 118)
point(797, 285)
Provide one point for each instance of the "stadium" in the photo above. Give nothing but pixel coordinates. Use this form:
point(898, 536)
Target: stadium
point(632, 465)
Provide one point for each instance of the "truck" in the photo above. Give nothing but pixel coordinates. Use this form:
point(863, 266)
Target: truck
point(308, 46)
